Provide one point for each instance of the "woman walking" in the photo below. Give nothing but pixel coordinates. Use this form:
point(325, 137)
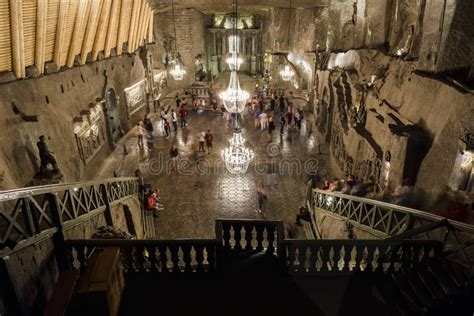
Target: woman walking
point(174, 157)
point(261, 197)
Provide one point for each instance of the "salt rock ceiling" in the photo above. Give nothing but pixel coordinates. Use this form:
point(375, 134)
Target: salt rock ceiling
point(217, 6)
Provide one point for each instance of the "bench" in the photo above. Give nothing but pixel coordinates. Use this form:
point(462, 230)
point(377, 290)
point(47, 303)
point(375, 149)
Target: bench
point(308, 230)
point(62, 293)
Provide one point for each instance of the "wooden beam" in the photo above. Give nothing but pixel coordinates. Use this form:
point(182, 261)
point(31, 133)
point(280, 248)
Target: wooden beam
point(138, 24)
point(112, 27)
point(100, 35)
point(80, 17)
point(41, 16)
point(150, 27)
point(17, 38)
point(92, 22)
point(60, 32)
point(121, 27)
point(145, 26)
point(131, 31)
point(141, 21)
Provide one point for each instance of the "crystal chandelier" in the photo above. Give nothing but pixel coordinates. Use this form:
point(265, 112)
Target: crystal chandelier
point(234, 62)
point(236, 157)
point(234, 97)
point(177, 71)
point(287, 73)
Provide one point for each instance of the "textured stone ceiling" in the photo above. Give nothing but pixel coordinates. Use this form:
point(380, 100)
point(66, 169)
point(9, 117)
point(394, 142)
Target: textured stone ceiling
point(219, 6)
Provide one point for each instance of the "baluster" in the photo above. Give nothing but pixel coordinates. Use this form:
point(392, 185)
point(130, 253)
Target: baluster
point(291, 257)
point(211, 257)
point(302, 258)
point(347, 257)
point(313, 248)
point(237, 236)
point(394, 257)
point(325, 258)
point(336, 257)
point(174, 249)
point(145, 264)
point(271, 239)
point(81, 256)
point(248, 236)
point(152, 259)
point(199, 257)
point(163, 258)
point(358, 257)
point(416, 253)
point(259, 229)
point(226, 235)
point(186, 248)
point(370, 258)
point(407, 253)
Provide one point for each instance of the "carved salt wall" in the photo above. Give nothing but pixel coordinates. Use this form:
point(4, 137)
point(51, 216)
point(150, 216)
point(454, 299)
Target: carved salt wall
point(412, 123)
point(56, 101)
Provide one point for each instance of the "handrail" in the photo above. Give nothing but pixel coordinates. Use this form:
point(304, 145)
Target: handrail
point(418, 213)
point(52, 188)
point(27, 215)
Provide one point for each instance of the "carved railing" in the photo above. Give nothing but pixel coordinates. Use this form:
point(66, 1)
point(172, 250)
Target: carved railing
point(28, 213)
point(250, 235)
point(347, 256)
point(392, 221)
point(148, 255)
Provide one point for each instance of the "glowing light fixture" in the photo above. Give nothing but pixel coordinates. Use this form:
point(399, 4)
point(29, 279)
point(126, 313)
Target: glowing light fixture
point(236, 157)
point(177, 71)
point(287, 73)
point(234, 62)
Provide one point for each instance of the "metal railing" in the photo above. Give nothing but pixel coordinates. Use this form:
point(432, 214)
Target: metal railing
point(397, 222)
point(29, 213)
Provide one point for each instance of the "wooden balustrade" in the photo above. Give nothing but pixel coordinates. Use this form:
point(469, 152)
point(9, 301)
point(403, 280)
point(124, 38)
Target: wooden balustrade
point(155, 256)
point(344, 256)
point(250, 235)
point(27, 214)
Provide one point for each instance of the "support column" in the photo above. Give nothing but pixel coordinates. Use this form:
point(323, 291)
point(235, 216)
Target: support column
point(253, 59)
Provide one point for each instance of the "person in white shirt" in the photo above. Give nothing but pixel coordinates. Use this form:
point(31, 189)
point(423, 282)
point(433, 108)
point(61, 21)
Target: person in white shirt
point(174, 119)
point(263, 120)
point(202, 139)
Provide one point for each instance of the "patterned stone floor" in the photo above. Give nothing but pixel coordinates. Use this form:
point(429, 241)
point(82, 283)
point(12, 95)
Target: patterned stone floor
point(202, 190)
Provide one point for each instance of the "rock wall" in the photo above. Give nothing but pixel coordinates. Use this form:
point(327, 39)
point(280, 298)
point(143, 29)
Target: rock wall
point(190, 30)
point(334, 227)
point(412, 122)
point(55, 100)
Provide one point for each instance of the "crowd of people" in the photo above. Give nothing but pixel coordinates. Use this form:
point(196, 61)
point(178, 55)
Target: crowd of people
point(401, 195)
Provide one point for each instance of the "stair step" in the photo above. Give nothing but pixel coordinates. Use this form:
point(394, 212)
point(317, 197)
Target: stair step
point(409, 295)
point(430, 282)
point(422, 293)
point(457, 274)
point(444, 279)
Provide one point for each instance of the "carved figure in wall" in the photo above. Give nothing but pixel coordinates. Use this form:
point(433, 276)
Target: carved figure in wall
point(46, 156)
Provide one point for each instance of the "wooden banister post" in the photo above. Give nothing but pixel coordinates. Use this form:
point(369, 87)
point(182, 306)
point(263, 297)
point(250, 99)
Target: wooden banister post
point(107, 212)
point(59, 245)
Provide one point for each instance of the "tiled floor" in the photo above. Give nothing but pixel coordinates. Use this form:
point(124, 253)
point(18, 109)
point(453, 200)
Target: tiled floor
point(202, 190)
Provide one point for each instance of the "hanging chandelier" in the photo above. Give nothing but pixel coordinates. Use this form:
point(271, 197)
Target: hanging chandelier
point(236, 157)
point(287, 73)
point(177, 70)
point(234, 97)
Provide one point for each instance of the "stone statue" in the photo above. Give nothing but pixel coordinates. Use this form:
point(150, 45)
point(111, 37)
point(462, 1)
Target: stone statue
point(46, 156)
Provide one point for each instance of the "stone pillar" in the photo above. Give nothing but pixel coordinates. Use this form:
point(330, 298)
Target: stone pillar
point(253, 59)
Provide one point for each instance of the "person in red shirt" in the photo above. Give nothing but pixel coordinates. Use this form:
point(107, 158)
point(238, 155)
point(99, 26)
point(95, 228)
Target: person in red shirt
point(209, 138)
point(183, 114)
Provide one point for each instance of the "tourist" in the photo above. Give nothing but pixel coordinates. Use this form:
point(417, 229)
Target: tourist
point(326, 185)
point(402, 194)
point(183, 113)
point(201, 139)
point(282, 104)
point(263, 120)
point(282, 125)
point(178, 100)
point(174, 120)
point(271, 128)
point(261, 197)
point(209, 138)
point(141, 133)
point(154, 202)
point(257, 119)
point(166, 127)
point(174, 157)
point(273, 104)
point(303, 214)
point(289, 117)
